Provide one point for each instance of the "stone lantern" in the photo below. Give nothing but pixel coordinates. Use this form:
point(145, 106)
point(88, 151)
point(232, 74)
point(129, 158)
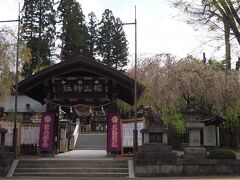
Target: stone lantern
point(195, 151)
point(155, 145)
point(27, 114)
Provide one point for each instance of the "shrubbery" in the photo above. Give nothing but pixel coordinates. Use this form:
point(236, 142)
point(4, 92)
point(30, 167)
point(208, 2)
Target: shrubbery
point(222, 154)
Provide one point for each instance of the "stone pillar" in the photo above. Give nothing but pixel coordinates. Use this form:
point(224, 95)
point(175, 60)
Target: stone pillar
point(194, 137)
point(194, 151)
point(154, 153)
point(194, 133)
point(218, 136)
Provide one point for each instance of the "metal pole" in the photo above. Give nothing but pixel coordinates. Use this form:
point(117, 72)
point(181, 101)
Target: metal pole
point(135, 131)
point(15, 137)
point(15, 20)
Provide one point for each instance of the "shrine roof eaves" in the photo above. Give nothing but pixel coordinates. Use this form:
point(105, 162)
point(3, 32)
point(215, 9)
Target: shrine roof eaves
point(33, 85)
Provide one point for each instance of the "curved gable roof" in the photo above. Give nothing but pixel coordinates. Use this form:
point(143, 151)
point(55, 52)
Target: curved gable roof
point(34, 85)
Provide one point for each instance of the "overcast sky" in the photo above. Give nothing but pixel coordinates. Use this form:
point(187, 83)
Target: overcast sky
point(159, 29)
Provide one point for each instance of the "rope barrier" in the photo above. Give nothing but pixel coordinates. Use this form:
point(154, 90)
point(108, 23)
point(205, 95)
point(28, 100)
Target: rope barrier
point(84, 105)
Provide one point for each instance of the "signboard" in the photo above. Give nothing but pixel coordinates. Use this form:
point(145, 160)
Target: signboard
point(46, 132)
point(79, 88)
point(30, 134)
point(113, 133)
point(127, 133)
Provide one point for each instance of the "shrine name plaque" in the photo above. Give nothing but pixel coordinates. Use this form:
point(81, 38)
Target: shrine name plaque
point(79, 88)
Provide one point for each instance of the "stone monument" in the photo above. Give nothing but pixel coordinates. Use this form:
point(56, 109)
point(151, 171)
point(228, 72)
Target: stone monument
point(155, 145)
point(194, 151)
point(192, 116)
point(154, 152)
point(211, 132)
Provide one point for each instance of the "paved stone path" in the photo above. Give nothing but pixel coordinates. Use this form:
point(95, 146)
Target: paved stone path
point(80, 155)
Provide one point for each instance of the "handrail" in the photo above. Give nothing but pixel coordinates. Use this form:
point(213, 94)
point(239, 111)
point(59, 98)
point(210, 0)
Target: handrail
point(76, 132)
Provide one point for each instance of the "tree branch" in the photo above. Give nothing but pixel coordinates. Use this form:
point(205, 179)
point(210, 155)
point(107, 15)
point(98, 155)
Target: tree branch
point(227, 16)
point(234, 12)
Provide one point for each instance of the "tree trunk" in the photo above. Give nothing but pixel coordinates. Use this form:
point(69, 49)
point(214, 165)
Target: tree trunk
point(227, 29)
point(40, 34)
point(227, 16)
point(238, 137)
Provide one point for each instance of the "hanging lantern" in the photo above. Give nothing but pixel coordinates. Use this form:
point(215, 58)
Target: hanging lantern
point(82, 110)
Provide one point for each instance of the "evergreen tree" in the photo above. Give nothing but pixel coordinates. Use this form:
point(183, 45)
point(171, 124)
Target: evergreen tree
point(38, 20)
point(74, 30)
point(92, 33)
point(112, 43)
point(120, 43)
point(104, 45)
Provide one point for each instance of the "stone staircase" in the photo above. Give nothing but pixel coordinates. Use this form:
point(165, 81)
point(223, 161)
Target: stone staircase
point(91, 141)
point(71, 168)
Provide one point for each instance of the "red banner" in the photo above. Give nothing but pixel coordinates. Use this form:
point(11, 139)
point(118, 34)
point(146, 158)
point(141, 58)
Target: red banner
point(113, 133)
point(46, 132)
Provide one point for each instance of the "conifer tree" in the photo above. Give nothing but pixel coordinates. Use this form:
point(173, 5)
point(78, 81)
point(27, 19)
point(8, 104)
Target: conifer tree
point(112, 42)
point(74, 31)
point(120, 49)
point(92, 33)
point(38, 33)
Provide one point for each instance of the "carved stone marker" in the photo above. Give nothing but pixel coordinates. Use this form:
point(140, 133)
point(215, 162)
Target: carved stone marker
point(155, 152)
point(194, 133)
point(210, 136)
point(194, 151)
point(155, 146)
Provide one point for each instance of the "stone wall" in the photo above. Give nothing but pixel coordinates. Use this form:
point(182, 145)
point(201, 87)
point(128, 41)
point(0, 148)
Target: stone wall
point(146, 168)
point(6, 159)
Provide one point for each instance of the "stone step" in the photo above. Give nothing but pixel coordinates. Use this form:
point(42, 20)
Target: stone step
point(87, 147)
point(74, 162)
point(91, 142)
point(71, 174)
point(73, 165)
point(72, 169)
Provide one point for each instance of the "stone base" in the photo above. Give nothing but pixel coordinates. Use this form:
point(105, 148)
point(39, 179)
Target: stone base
point(156, 155)
point(155, 152)
point(155, 147)
point(156, 170)
point(6, 159)
point(205, 167)
point(195, 153)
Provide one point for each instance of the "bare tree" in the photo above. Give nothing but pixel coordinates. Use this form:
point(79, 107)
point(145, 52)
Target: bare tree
point(218, 15)
point(8, 45)
point(172, 86)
